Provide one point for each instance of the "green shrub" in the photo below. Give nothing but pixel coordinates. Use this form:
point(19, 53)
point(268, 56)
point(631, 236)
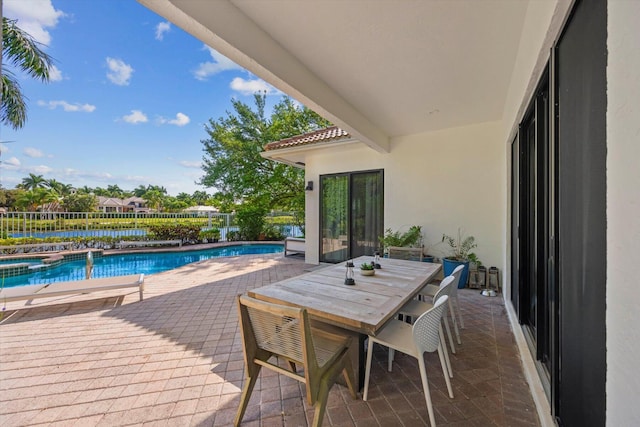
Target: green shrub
point(271, 232)
point(184, 232)
point(210, 234)
point(233, 236)
point(251, 221)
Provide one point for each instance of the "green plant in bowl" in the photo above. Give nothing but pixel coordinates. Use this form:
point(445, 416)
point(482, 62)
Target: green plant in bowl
point(367, 268)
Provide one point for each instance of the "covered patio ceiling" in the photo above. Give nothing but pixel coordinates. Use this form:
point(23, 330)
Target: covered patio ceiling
point(377, 69)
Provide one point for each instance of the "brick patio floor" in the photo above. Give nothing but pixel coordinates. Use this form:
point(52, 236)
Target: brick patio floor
point(176, 359)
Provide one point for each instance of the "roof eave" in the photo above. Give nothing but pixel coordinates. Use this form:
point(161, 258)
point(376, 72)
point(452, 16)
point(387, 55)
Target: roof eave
point(277, 154)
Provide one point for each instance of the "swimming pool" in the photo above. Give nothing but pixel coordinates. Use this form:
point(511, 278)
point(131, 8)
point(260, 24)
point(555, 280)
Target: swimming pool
point(133, 263)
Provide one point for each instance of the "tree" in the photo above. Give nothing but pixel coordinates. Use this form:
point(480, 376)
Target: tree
point(154, 199)
point(140, 190)
point(232, 161)
point(80, 202)
point(30, 200)
point(33, 181)
point(60, 188)
point(24, 53)
point(200, 197)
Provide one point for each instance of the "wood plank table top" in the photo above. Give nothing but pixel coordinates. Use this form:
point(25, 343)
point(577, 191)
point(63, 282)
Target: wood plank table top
point(364, 307)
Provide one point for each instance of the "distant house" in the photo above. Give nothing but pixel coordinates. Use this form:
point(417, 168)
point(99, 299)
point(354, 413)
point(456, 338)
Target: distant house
point(114, 204)
point(201, 209)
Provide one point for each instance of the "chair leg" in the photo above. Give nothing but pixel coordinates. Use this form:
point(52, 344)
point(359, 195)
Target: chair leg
point(252, 376)
point(446, 327)
point(321, 402)
point(446, 353)
point(425, 388)
point(459, 312)
point(455, 322)
point(367, 371)
point(392, 355)
point(444, 371)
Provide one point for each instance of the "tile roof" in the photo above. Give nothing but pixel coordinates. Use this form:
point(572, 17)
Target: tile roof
point(330, 134)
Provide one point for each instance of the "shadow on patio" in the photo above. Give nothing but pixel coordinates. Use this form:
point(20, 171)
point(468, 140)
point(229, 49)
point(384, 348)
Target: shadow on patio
point(176, 359)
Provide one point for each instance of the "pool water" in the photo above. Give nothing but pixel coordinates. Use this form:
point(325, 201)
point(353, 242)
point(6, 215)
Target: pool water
point(143, 262)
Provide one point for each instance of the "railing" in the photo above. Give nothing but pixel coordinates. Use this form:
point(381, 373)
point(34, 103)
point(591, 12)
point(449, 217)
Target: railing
point(117, 224)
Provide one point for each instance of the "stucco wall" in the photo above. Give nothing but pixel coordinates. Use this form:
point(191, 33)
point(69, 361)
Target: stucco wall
point(439, 180)
point(623, 213)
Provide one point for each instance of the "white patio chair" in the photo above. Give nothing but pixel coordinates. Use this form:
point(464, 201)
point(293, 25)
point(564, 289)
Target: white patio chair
point(423, 336)
point(454, 304)
point(414, 309)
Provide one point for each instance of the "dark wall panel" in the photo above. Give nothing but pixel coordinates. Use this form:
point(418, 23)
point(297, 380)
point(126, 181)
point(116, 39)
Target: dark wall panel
point(581, 85)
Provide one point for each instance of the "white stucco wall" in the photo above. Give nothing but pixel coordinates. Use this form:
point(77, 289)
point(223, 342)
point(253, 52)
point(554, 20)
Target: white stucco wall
point(623, 213)
point(439, 180)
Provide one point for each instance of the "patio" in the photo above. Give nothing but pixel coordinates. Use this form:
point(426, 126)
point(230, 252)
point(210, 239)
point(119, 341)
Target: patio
point(176, 359)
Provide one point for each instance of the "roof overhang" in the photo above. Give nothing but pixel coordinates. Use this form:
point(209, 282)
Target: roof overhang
point(297, 156)
point(377, 70)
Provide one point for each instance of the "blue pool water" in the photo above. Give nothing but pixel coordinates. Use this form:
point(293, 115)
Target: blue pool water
point(143, 262)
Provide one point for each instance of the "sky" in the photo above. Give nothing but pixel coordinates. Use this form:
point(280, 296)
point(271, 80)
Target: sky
point(128, 99)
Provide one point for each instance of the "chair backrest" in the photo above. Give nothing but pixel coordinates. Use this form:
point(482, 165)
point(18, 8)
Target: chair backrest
point(426, 330)
point(401, 252)
point(275, 330)
point(445, 288)
point(456, 274)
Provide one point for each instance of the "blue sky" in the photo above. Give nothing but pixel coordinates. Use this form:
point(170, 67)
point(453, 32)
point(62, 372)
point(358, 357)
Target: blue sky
point(129, 98)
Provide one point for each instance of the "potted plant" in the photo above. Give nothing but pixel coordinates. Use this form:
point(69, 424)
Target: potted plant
point(459, 254)
point(367, 268)
point(409, 238)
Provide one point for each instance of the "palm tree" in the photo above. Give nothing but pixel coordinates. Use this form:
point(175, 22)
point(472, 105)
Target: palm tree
point(140, 190)
point(114, 191)
point(33, 181)
point(23, 52)
point(30, 200)
point(60, 188)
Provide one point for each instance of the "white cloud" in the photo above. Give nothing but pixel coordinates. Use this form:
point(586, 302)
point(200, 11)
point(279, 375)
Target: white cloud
point(55, 75)
point(84, 108)
point(40, 169)
point(74, 173)
point(180, 120)
point(34, 17)
point(135, 117)
point(190, 164)
point(161, 28)
point(33, 152)
point(11, 163)
point(220, 63)
point(120, 72)
point(251, 86)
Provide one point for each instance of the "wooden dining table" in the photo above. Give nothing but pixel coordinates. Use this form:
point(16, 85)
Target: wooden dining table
point(362, 308)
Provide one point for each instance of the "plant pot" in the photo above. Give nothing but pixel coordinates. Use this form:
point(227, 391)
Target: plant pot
point(367, 272)
point(448, 265)
point(427, 258)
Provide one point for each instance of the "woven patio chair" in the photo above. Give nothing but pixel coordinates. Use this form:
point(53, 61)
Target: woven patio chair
point(272, 331)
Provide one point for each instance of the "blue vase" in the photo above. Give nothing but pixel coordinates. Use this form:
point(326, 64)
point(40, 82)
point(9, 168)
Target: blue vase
point(448, 265)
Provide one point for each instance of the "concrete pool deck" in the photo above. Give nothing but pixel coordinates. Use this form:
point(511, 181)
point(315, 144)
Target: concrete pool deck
point(107, 359)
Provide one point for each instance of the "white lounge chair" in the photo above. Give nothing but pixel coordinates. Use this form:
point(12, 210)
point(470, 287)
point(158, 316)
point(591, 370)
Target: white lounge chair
point(55, 289)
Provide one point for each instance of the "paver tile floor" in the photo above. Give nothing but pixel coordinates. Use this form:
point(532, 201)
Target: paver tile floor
point(175, 359)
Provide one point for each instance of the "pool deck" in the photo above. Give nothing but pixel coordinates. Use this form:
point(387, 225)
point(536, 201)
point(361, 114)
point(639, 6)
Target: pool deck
point(107, 359)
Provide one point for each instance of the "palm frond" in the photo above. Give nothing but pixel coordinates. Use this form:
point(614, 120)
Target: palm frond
point(21, 50)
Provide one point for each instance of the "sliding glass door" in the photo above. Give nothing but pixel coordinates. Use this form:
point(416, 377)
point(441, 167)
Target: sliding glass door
point(351, 214)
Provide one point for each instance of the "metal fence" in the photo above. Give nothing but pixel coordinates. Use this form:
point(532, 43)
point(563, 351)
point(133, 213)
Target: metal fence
point(119, 224)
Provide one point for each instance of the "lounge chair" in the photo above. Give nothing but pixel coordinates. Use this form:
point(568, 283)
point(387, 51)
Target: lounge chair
point(55, 289)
